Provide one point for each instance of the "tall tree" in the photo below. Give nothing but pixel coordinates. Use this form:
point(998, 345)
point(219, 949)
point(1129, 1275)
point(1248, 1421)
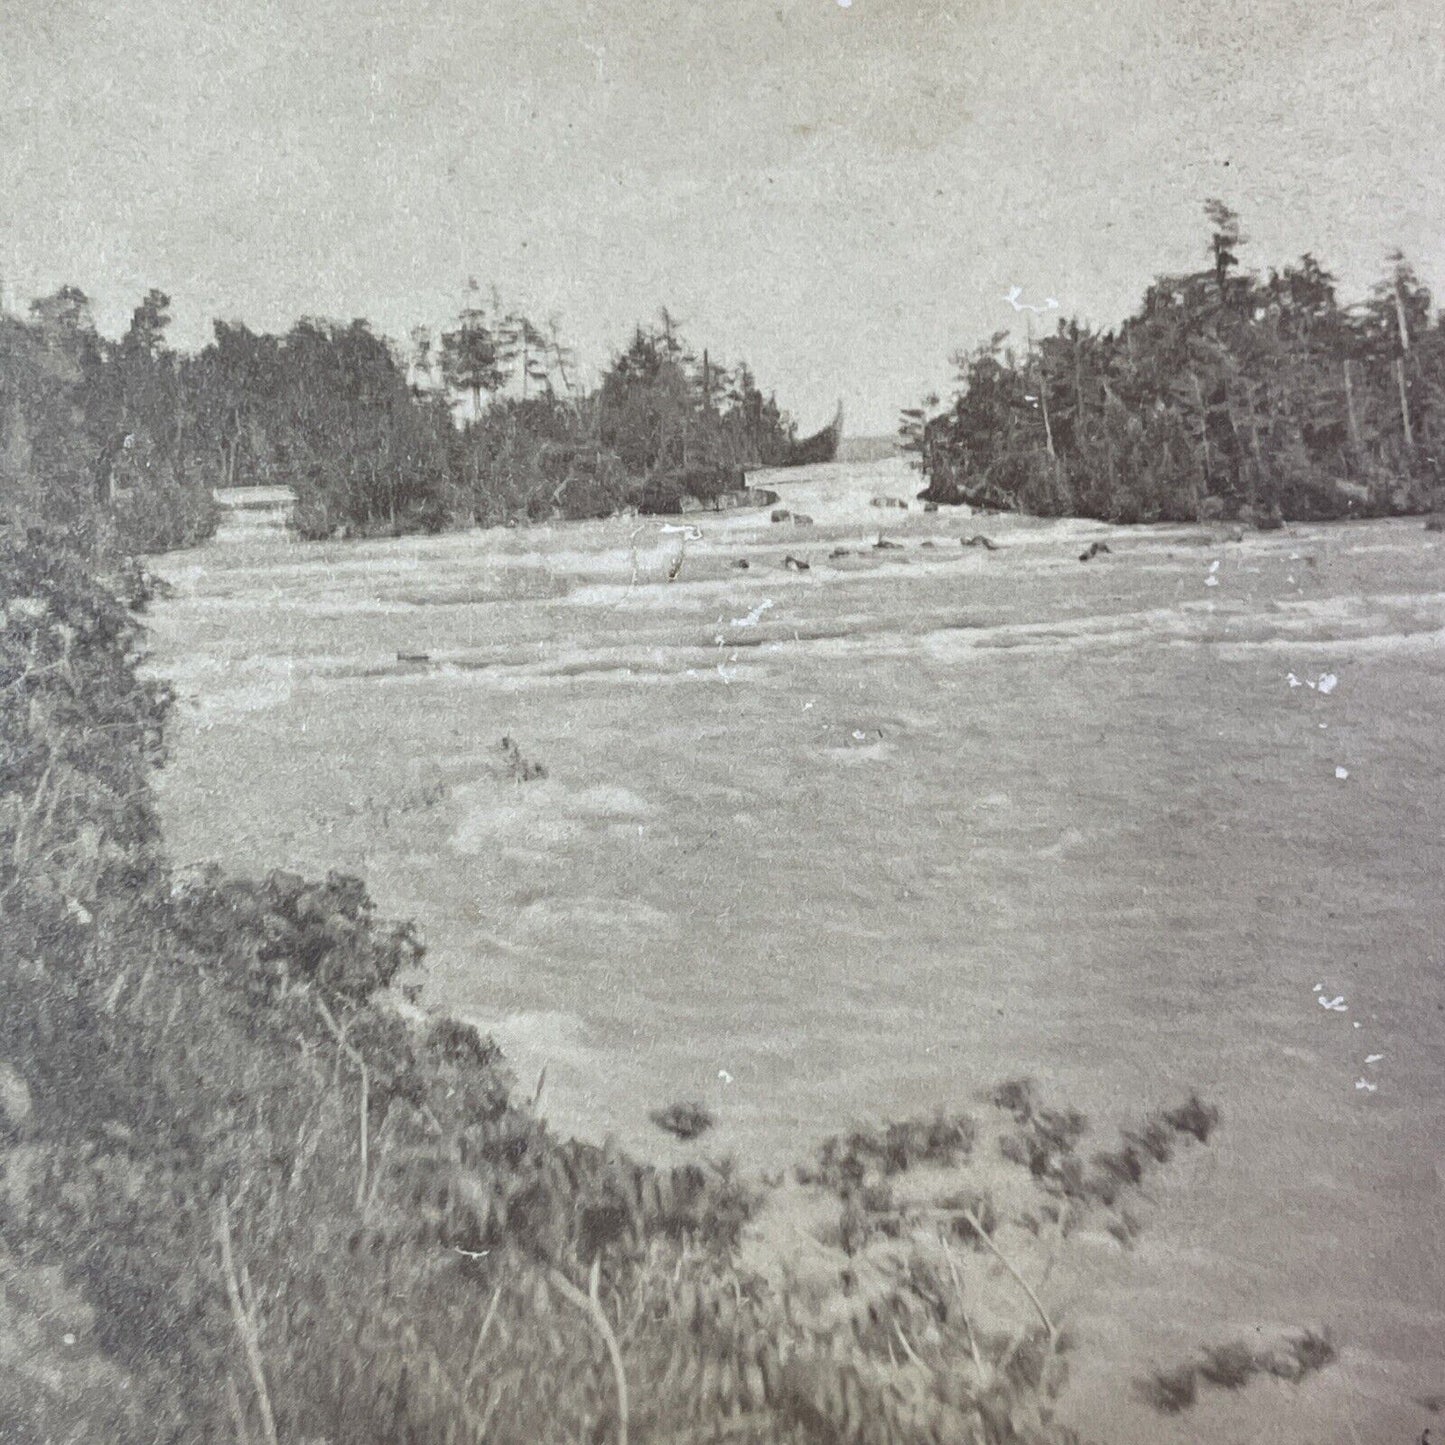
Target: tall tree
point(526, 347)
point(1224, 244)
point(471, 356)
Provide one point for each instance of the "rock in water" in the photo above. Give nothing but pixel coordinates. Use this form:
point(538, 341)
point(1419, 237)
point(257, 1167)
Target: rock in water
point(686, 1121)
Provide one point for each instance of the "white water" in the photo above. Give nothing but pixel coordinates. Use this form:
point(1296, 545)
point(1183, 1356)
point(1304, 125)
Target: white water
point(861, 841)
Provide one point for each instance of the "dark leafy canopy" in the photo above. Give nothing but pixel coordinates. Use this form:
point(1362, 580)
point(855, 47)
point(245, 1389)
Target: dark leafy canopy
point(662, 408)
point(531, 443)
point(472, 359)
point(1226, 394)
point(484, 425)
point(98, 436)
point(663, 421)
point(126, 440)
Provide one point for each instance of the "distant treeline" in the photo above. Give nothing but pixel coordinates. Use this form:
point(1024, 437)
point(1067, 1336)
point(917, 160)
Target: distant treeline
point(1225, 394)
point(483, 424)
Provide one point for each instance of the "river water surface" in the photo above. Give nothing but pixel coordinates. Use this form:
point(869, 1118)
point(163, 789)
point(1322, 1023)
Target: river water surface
point(859, 841)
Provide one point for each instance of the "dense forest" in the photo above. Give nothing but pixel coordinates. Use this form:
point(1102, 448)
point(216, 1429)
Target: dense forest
point(1225, 394)
point(485, 423)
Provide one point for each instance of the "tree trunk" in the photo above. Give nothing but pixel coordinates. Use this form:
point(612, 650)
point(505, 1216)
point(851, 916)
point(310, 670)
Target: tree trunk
point(1400, 318)
point(1262, 480)
point(1350, 418)
point(1044, 407)
point(1404, 402)
point(1203, 430)
point(1400, 367)
point(1241, 457)
point(178, 454)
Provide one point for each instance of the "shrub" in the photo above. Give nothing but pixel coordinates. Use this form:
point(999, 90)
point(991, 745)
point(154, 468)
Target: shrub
point(284, 932)
point(154, 512)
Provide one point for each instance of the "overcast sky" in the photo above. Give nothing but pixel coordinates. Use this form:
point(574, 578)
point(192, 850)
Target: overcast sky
point(842, 194)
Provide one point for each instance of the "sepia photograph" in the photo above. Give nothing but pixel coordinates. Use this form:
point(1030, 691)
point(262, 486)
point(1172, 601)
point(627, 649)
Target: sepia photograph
point(722, 722)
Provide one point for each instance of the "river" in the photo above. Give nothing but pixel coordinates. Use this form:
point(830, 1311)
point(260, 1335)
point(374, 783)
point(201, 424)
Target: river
point(858, 841)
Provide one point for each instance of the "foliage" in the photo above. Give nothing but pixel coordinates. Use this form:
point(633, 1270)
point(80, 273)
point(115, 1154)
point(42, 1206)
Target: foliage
point(326, 409)
point(661, 426)
point(78, 730)
point(1225, 394)
point(665, 411)
point(93, 433)
point(471, 357)
point(284, 932)
point(127, 440)
point(844, 1161)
